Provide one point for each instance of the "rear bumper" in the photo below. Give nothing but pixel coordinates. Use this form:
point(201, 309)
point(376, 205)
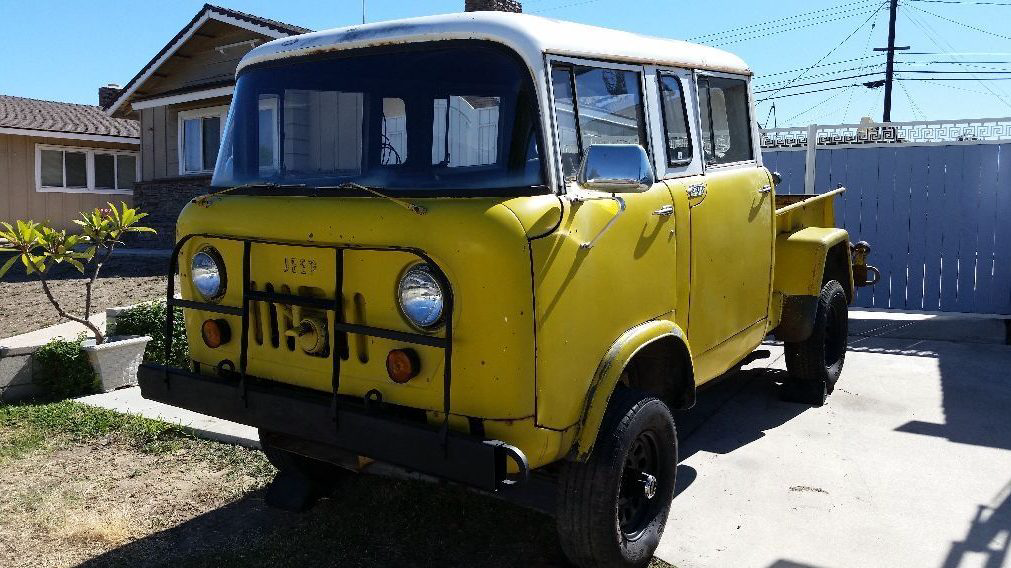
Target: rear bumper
point(310, 415)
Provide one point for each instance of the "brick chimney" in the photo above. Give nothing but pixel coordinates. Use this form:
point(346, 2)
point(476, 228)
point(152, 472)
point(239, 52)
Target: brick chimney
point(492, 6)
point(108, 94)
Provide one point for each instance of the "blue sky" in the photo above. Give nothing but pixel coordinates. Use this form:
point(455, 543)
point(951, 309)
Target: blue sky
point(64, 50)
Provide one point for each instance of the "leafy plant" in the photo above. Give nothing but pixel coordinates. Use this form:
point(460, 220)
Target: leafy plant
point(63, 370)
point(40, 247)
point(149, 319)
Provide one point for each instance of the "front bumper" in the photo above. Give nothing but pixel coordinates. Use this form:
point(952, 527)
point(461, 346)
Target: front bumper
point(311, 416)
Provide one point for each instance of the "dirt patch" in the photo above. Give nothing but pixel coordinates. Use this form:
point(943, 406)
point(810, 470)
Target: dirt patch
point(87, 487)
point(124, 280)
point(65, 507)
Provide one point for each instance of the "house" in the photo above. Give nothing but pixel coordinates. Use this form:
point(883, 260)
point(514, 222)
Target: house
point(180, 98)
point(58, 159)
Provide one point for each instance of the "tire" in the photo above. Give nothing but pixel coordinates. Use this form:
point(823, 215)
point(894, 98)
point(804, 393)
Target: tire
point(814, 365)
point(609, 514)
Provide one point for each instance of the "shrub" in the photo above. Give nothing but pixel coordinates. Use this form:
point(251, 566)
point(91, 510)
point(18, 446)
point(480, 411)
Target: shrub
point(63, 369)
point(40, 247)
point(149, 319)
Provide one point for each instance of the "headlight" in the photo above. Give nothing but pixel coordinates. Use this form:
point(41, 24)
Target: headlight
point(207, 272)
point(420, 296)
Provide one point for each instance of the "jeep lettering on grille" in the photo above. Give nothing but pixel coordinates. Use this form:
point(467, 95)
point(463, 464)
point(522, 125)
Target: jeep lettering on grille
point(295, 265)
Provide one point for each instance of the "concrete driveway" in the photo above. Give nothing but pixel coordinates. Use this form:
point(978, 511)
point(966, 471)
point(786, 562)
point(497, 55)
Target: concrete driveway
point(909, 464)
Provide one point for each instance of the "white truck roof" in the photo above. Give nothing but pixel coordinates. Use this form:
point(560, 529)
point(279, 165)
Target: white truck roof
point(530, 36)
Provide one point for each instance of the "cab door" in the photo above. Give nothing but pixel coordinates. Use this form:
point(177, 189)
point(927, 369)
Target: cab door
point(609, 264)
point(731, 209)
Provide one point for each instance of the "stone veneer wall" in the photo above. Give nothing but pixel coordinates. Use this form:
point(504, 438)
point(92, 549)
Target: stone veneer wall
point(162, 200)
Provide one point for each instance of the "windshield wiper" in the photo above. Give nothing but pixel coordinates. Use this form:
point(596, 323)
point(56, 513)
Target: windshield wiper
point(204, 199)
point(419, 209)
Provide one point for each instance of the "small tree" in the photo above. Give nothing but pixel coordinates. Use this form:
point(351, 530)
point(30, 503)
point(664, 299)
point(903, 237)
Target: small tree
point(40, 247)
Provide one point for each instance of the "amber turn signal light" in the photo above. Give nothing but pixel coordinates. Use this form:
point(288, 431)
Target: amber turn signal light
point(215, 332)
point(403, 365)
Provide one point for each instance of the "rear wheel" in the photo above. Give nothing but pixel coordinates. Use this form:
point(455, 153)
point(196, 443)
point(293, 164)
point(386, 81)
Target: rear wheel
point(815, 364)
point(612, 509)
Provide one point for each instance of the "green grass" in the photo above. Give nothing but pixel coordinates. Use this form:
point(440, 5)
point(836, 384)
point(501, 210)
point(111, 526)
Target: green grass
point(25, 428)
point(368, 521)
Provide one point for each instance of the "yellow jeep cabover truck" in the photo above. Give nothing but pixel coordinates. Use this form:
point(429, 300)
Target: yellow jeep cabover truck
point(476, 246)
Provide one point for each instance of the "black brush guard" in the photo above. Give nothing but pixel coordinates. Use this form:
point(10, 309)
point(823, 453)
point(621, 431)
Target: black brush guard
point(356, 426)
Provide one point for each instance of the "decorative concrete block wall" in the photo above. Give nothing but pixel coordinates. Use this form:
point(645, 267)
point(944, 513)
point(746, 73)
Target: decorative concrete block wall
point(16, 371)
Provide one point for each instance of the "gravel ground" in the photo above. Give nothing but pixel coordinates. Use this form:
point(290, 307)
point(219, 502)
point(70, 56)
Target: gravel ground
point(124, 280)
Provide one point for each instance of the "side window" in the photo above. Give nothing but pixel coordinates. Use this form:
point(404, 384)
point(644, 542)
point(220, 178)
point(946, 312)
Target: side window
point(726, 126)
point(675, 121)
point(465, 131)
point(596, 106)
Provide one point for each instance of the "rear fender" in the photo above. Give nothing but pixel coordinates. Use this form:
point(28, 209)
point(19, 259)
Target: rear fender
point(622, 352)
point(805, 260)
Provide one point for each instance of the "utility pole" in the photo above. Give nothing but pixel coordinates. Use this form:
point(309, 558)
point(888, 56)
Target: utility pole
point(893, 10)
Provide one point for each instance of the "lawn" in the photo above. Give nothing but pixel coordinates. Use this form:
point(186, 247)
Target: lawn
point(90, 487)
point(124, 280)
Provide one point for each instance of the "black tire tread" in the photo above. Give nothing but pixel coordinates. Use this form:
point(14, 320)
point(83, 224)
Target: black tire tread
point(583, 504)
point(805, 360)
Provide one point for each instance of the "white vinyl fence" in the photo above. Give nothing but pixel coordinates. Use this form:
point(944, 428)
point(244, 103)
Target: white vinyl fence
point(932, 198)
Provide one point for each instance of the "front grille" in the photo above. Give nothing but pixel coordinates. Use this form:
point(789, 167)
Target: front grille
point(275, 325)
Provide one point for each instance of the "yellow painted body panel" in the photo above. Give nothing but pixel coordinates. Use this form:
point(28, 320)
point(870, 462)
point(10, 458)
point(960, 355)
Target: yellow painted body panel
point(478, 243)
point(586, 298)
point(732, 240)
point(609, 371)
point(800, 259)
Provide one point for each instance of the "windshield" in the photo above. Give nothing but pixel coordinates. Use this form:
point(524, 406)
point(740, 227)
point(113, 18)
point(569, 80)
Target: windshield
point(460, 116)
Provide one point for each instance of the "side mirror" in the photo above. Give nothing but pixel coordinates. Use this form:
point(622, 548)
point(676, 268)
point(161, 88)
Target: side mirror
point(616, 168)
point(776, 178)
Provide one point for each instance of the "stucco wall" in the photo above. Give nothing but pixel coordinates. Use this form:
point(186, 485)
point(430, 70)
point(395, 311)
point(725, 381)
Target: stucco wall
point(18, 196)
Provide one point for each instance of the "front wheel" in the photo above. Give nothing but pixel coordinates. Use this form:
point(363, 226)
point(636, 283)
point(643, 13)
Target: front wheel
point(815, 364)
point(612, 509)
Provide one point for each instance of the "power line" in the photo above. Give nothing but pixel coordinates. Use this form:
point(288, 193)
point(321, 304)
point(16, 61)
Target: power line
point(954, 79)
point(776, 90)
point(939, 72)
point(822, 65)
point(778, 20)
point(830, 52)
point(912, 103)
point(809, 109)
point(929, 32)
point(962, 2)
point(788, 95)
point(956, 22)
point(826, 74)
point(791, 27)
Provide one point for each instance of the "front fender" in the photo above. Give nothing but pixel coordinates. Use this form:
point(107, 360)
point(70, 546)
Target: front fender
point(609, 372)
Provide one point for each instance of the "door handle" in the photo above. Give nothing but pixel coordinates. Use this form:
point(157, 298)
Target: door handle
point(765, 189)
point(664, 211)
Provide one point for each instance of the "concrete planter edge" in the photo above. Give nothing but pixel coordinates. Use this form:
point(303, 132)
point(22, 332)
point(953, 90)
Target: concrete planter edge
point(116, 361)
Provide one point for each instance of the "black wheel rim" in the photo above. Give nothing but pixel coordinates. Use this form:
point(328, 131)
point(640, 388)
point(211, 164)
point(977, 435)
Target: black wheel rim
point(638, 499)
point(835, 337)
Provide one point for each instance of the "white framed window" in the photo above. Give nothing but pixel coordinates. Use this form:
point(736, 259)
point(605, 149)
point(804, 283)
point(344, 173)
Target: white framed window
point(68, 169)
point(199, 137)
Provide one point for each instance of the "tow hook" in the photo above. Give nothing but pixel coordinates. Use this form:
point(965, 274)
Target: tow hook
point(861, 270)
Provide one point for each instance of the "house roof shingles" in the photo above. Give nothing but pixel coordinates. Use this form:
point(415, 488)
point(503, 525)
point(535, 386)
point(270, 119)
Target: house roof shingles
point(56, 117)
point(275, 25)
